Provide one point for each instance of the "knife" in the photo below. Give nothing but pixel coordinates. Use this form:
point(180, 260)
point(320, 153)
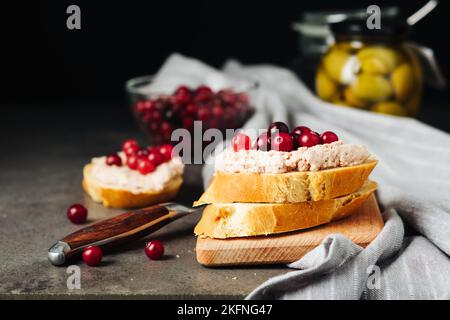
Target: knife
point(120, 229)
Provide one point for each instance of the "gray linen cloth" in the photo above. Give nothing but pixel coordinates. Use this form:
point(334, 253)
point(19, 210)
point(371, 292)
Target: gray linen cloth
point(414, 189)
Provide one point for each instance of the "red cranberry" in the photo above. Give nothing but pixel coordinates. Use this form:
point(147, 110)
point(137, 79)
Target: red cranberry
point(183, 95)
point(241, 142)
point(145, 166)
point(282, 142)
point(132, 162)
point(300, 129)
point(166, 129)
point(144, 105)
point(229, 98)
point(154, 250)
point(166, 151)
point(188, 123)
point(203, 114)
point(131, 150)
point(155, 115)
point(77, 213)
point(308, 139)
point(113, 160)
point(154, 127)
point(243, 98)
point(129, 144)
point(217, 111)
point(213, 123)
point(155, 157)
point(152, 149)
point(263, 142)
point(328, 137)
point(203, 93)
point(142, 153)
point(295, 140)
point(191, 109)
point(140, 106)
point(92, 256)
point(203, 89)
point(182, 89)
point(278, 126)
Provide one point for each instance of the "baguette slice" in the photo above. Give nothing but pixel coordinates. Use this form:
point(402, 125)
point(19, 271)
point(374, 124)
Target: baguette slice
point(291, 187)
point(124, 199)
point(251, 219)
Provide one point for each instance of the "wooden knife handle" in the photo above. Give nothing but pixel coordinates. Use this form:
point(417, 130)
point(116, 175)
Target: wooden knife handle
point(122, 228)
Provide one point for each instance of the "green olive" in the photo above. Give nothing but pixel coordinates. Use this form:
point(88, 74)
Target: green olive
point(352, 100)
point(371, 87)
point(325, 87)
point(333, 63)
point(402, 80)
point(390, 107)
point(374, 65)
point(378, 59)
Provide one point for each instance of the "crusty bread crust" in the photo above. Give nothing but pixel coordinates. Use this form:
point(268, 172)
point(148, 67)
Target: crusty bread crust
point(291, 187)
point(251, 219)
point(124, 199)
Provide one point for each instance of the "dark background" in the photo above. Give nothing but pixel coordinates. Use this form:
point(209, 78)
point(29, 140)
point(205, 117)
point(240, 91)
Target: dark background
point(44, 62)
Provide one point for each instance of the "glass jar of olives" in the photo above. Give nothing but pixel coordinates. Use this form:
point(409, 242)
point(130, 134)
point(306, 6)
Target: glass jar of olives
point(371, 69)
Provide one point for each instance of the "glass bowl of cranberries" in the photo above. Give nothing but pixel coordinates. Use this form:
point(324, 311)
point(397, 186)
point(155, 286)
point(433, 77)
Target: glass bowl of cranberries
point(159, 114)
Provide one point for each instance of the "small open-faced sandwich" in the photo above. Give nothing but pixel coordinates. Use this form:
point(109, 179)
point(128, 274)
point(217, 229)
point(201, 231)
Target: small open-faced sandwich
point(134, 177)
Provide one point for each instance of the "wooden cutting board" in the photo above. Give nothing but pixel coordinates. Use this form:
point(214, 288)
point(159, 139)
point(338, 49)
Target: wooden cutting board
point(361, 227)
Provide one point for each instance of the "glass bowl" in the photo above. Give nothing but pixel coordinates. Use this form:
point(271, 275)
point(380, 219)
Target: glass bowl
point(158, 114)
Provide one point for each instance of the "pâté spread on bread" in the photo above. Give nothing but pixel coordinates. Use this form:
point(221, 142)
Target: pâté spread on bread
point(135, 177)
point(122, 177)
point(319, 157)
point(284, 181)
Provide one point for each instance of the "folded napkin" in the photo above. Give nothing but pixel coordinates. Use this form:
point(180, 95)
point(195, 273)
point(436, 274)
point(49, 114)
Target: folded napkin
point(414, 189)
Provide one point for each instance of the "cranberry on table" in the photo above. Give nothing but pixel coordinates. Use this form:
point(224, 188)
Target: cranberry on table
point(132, 162)
point(113, 160)
point(328, 137)
point(282, 142)
point(241, 141)
point(154, 250)
point(92, 256)
point(300, 129)
point(145, 166)
point(77, 213)
point(278, 126)
point(166, 151)
point(263, 142)
point(309, 139)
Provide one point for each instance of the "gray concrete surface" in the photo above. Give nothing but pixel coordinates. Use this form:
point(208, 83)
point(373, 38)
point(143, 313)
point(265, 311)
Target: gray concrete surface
point(43, 152)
